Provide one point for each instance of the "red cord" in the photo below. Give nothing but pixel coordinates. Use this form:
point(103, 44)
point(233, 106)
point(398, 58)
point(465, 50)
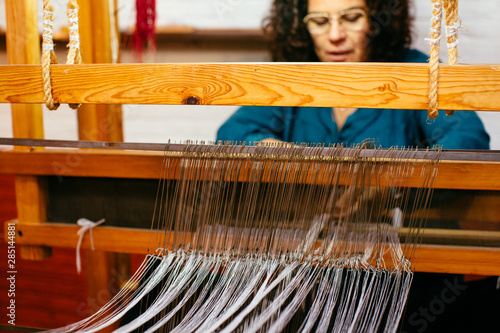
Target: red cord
point(144, 36)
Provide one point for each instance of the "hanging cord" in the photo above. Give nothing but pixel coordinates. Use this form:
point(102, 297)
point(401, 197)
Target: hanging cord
point(74, 53)
point(48, 55)
point(452, 26)
point(437, 15)
point(86, 225)
point(144, 36)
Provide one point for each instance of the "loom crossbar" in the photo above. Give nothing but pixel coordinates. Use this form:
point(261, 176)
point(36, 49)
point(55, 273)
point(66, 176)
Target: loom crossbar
point(431, 257)
point(368, 85)
point(277, 150)
point(471, 175)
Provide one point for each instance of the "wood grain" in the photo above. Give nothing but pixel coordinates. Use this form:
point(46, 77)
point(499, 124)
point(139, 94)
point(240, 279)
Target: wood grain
point(147, 165)
point(23, 47)
point(97, 122)
point(469, 207)
point(108, 239)
point(431, 258)
point(458, 260)
point(455, 237)
point(374, 85)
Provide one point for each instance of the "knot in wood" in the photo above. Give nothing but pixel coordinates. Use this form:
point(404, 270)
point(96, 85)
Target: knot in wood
point(385, 87)
point(191, 100)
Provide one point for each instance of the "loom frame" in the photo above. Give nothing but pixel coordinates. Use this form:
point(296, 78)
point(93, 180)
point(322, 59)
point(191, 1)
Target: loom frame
point(402, 86)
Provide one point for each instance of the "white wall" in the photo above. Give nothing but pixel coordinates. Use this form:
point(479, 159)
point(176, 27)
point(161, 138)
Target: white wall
point(479, 43)
point(208, 14)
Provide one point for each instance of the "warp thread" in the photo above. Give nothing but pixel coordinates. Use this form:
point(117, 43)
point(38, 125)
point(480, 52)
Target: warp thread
point(254, 261)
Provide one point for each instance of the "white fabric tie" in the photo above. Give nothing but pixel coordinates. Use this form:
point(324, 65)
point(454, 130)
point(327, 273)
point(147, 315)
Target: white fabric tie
point(85, 225)
point(438, 7)
point(397, 217)
point(452, 31)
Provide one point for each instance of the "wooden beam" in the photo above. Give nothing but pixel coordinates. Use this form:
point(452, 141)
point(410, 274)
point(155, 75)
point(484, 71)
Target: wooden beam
point(458, 260)
point(455, 237)
point(431, 258)
point(148, 165)
point(99, 122)
point(371, 85)
point(468, 207)
point(23, 47)
point(108, 239)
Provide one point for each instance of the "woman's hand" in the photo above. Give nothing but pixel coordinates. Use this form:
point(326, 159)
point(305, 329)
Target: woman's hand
point(276, 142)
point(360, 203)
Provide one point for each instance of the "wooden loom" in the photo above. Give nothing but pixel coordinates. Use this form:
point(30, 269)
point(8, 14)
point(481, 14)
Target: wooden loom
point(402, 86)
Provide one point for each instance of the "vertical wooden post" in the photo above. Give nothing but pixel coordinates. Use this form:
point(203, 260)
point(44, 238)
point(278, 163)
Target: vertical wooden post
point(97, 122)
point(100, 123)
point(23, 47)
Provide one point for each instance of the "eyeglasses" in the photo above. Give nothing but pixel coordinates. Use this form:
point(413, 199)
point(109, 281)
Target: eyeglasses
point(354, 19)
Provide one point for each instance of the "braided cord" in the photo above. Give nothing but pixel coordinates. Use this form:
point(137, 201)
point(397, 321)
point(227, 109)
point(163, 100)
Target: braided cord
point(437, 15)
point(452, 26)
point(48, 55)
point(74, 53)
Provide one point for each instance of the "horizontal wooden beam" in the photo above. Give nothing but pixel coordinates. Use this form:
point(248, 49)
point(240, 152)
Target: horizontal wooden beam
point(458, 260)
point(454, 237)
point(370, 85)
point(431, 258)
point(110, 239)
point(467, 175)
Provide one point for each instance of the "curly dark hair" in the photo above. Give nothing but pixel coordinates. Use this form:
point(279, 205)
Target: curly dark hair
point(389, 35)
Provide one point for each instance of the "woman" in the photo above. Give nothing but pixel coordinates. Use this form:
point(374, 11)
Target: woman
point(354, 31)
point(348, 31)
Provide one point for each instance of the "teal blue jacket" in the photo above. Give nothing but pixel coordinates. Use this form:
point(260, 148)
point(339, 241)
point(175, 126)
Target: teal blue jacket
point(389, 127)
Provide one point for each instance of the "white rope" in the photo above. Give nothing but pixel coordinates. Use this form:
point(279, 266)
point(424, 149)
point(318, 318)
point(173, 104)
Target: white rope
point(48, 47)
point(438, 7)
point(85, 225)
point(452, 31)
point(48, 30)
point(435, 41)
point(74, 35)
